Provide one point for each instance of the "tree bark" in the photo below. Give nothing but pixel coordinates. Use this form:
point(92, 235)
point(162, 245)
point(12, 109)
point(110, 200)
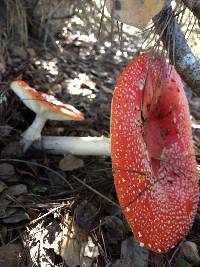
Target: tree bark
point(180, 53)
point(194, 6)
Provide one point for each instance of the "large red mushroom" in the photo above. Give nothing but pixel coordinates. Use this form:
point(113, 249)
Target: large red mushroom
point(152, 153)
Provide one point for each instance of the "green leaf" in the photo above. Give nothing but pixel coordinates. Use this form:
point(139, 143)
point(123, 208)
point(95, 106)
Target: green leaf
point(39, 188)
point(183, 263)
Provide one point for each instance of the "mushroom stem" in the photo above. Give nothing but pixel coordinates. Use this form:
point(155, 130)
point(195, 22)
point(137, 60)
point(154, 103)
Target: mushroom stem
point(86, 146)
point(33, 132)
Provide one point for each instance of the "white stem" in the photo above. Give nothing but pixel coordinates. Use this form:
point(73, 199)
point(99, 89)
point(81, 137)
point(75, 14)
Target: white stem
point(33, 132)
point(86, 146)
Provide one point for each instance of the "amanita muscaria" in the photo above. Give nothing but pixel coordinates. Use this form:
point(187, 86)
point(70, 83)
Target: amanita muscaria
point(46, 107)
point(152, 153)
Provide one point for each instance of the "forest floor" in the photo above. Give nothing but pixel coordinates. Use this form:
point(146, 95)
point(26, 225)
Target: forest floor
point(49, 207)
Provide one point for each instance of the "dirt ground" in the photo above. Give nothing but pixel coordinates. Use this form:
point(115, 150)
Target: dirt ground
point(58, 210)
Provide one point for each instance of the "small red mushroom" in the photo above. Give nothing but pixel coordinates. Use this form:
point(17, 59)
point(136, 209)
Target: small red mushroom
point(152, 153)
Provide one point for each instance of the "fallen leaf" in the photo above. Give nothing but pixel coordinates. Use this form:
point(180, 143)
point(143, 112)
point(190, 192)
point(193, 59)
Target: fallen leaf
point(84, 216)
point(17, 217)
point(8, 212)
point(134, 12)
point(71, 246)
point(114, 228)
point(89, 251)
point(183, 263)
point(71, 163)
point(131, 251)
point(39, 188)
point(17, 190)
point(43, 243)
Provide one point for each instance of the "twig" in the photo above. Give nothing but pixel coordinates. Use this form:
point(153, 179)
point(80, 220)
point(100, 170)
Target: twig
point(193, 6)
point(46, 214)
point(95, 191)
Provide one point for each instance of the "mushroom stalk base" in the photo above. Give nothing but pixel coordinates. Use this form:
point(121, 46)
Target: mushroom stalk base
point(86, 146)
point(33, 132)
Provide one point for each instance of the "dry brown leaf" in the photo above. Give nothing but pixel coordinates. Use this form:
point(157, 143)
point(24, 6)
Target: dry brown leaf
point(134, 12)
point(71, 163)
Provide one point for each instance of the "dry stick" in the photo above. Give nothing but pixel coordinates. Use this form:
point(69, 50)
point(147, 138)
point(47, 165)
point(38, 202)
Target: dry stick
point(176, 250)
point(185, 62)
point(39, 165)
point(190, 31)
point(46, 214)
point(16, 201)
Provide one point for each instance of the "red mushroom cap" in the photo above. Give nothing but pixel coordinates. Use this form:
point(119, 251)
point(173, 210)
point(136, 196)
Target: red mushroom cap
point(152, 153)
point(41, 102)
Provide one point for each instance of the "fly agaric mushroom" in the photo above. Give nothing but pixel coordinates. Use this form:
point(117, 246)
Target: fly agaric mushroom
point(152, 153)
point(84, 146)
point(45, 106)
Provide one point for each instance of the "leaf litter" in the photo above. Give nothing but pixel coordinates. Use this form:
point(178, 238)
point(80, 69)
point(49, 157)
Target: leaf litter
point(49, 218)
